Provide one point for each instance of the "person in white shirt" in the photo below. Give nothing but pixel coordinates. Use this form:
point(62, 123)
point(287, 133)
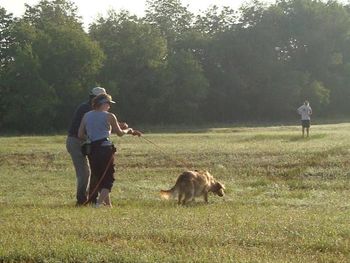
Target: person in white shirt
point(305, 112)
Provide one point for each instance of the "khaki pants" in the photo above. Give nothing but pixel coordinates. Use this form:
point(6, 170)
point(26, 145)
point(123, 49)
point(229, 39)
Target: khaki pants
point(82, 168)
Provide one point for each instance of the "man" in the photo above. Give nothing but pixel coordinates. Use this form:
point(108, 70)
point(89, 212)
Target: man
point(305, 111)
point(73, 144)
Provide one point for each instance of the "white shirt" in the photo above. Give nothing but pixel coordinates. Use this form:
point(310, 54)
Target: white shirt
point(305, 111)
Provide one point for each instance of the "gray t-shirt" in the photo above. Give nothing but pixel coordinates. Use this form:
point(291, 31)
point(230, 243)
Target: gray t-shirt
point(97, 126)
point(305, 111)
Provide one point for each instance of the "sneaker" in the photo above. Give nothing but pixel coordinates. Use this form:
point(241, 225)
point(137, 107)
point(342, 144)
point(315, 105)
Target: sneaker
point(97, 205)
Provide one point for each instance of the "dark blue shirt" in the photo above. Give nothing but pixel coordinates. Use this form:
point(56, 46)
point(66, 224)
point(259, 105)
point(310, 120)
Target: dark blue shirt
point(77, 117)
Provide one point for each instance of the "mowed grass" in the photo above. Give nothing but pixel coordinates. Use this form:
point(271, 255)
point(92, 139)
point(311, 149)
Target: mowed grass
point(287, 199)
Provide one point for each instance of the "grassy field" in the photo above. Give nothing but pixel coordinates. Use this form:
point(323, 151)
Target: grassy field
point(287, 199)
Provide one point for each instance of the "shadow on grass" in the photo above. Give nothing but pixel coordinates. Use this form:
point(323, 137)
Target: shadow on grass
point(282, 137)
point(42, 205)
point(170, 204)
point(121, 203)
point(302, 139)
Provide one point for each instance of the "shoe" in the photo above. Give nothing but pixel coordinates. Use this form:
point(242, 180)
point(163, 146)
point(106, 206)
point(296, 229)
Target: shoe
point(97, 205)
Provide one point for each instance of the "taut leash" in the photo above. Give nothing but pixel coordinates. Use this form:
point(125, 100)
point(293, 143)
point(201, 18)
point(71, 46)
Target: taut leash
point(166, 154)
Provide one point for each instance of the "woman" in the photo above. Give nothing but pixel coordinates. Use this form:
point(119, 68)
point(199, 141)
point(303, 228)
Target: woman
point(97, 126)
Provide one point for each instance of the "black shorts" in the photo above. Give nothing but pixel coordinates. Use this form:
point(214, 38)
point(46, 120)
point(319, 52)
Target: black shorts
point(99, 159)
point(305, 123)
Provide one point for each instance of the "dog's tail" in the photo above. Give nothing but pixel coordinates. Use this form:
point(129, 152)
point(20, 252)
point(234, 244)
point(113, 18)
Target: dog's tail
point(166, 194)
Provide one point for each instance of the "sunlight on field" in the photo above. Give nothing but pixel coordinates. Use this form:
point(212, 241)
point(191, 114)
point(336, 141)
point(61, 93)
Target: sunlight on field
point(286, 199)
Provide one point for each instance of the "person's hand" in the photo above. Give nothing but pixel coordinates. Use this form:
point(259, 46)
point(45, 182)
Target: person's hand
point(136, 133)
point(123, 125)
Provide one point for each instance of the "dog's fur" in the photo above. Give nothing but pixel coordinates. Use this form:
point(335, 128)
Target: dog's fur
point(191, 184)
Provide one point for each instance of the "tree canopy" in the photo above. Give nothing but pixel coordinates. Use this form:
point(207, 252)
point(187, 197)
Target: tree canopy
point(257, 63)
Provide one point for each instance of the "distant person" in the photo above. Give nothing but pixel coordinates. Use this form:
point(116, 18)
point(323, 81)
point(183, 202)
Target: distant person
point(305, 112)
point(97, 125)
point(73, 144)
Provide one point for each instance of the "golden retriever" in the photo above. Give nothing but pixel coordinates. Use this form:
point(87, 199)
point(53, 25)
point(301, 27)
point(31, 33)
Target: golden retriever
point(191, 184)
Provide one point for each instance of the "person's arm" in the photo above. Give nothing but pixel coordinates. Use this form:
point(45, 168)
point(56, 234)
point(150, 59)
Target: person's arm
point(82, 130)
point(310, 111)
point(123, 125)
point(112, 119)
point(299, 110)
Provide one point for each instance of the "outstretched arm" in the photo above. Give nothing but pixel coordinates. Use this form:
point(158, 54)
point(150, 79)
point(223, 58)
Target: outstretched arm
point(112, 119)
point(123, 125)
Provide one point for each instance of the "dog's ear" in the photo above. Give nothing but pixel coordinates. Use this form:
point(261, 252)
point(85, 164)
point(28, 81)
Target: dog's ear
point(221, 185)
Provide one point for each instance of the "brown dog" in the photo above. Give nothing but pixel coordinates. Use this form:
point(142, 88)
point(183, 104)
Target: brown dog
point(192, 184)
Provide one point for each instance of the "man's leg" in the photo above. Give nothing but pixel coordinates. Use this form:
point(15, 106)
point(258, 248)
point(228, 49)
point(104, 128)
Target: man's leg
point(82, 169)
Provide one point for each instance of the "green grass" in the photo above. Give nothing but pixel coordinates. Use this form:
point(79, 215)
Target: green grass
point(287, 199)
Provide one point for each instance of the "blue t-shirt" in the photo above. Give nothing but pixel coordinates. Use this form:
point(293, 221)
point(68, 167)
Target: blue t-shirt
point(97, 125)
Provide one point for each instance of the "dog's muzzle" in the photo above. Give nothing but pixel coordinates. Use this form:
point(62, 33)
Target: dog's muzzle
point(220, 193)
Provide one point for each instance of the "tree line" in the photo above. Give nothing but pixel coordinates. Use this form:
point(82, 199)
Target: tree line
point(257, 63)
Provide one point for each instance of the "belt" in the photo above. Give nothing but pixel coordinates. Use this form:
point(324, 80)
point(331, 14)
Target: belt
point(98, 142)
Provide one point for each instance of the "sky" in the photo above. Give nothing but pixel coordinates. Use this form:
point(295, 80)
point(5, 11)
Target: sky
point(90, 9)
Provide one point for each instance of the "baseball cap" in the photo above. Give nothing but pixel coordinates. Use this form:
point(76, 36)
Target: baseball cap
point(106, 101)
point(97, 91)
point(103, 98)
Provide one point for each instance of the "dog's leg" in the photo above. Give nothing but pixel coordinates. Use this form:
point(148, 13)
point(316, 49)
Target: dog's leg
point(187, 197)
point(189, 194)
point(180, 198)
point(205, 195)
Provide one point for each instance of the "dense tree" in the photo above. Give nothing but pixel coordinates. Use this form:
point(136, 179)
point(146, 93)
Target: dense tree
point(30, 102)
point(256, 63)
point(184, 83)
point(273, 59)
point(171, 17)
point(319, 46)
point(135, 57)
point(186, 87)
point(214, 20)
point(6, 22)
point(61, 63)
point(69, 59)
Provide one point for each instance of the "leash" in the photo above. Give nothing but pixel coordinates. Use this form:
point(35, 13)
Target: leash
point(166, 154)
point(110, 161)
